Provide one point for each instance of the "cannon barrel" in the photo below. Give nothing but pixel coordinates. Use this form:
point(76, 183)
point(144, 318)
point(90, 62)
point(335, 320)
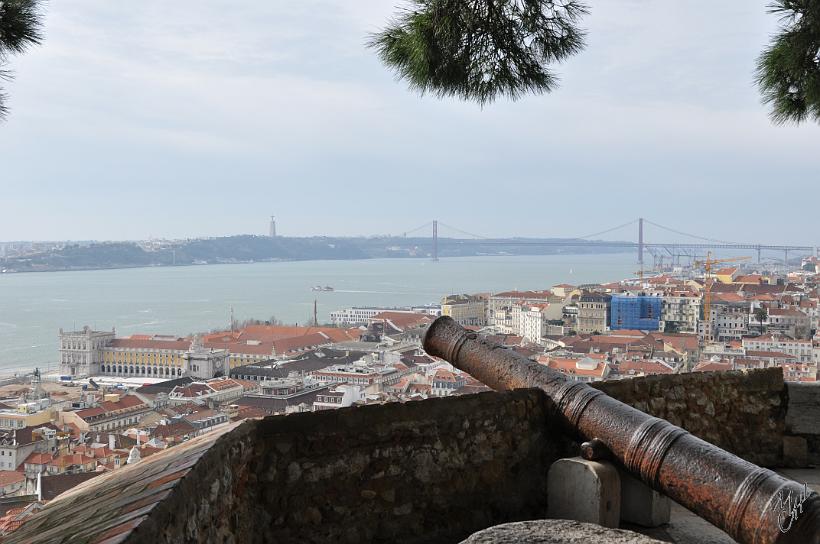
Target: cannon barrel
point(753, 505)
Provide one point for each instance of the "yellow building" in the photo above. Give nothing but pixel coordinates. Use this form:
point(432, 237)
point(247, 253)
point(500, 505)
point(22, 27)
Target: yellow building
point(241, 355)
point(466, 310)
point(727, 275)
point(145, 356)
point(21, 417)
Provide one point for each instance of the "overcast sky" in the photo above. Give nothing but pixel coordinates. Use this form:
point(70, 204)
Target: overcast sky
point(204, 117)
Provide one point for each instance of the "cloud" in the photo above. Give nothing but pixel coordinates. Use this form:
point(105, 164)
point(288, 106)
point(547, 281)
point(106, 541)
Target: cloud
point(280, 105)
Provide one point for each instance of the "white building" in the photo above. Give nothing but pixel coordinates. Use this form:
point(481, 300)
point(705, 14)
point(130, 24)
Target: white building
point(340, 396)
point(681, 310)
point(788, 321)
point(445, 383)
point(371, 377)
point(204, 363)
point(727, 321)
point(533, 322)
point(81, 351)
point(217, 390)
point(362, 315)
point(800, 349)
point(500, 307)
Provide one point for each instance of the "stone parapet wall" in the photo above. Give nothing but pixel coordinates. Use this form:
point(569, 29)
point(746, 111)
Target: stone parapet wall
point(803, 417)
point(429, 471)
point(743, 412)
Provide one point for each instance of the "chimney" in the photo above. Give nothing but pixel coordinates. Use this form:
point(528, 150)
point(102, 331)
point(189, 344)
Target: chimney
point(111, 441)
point(39, 487)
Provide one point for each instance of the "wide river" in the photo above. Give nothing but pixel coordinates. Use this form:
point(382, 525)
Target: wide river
point(183, 300)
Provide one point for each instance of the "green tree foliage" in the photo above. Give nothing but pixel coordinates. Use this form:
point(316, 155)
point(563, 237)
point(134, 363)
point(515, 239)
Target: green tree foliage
point(481, 49)
point(19, 29)
point(761, 314)
point(788, 70)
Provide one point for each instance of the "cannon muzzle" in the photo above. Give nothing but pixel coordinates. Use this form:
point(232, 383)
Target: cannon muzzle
point(753, 505)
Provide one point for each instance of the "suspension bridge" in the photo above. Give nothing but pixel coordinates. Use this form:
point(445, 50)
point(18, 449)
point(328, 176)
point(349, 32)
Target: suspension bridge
point(660, 251)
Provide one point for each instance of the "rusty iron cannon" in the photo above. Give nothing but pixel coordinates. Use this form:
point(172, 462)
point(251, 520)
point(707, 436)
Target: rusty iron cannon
point(753, 505)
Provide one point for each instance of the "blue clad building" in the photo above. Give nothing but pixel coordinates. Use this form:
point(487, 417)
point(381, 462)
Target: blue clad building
point(639, 312)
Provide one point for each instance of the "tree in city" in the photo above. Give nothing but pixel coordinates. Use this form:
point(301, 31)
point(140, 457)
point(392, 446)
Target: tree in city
point(481, 49)
point(274, 321)
point(788, 70)
point(761, 314)
point(19, 29)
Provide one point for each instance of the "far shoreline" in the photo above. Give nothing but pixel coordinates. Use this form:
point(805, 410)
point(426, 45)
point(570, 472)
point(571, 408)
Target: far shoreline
point(187, 265)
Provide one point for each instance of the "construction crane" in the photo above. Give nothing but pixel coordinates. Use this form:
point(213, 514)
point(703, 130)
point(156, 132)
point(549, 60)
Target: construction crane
point(707, 285)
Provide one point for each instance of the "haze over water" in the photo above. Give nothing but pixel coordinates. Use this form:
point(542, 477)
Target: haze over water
point(183, 300)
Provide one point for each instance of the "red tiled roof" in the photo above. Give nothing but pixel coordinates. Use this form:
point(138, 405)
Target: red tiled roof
point(444, 376)
point(419, 388)
point(727, 297)
point(269, 333)
point(300, 343)
point(9, 477)
point(241, 348)
point(179, 344)
point(786, 312)
point(525, 294)
point(267, 339)
point(192, 390)
point(145, 451)
point(248, 412)
point(678, 341)
point(403, 320)
point(179, 428)
point(90, 412)
point(749, 278)
point(247, 384)
point(627, 332)
point(773, 339)
point(570, 366)
point(38, 459)
point(646, 367)
point(712, 366)
point(220, 384)
point(726, 271)
point(768, 355)
point(71, 459)
point(128, 401)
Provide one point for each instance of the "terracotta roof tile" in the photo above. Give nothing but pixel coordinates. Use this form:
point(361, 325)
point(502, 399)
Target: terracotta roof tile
point(180, 344)
point(9, 477)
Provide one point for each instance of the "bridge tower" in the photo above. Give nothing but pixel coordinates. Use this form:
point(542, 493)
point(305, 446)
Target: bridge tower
point(640, 241)
point(435, 240)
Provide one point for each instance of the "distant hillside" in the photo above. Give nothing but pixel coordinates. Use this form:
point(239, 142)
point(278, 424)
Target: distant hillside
point(236, 249)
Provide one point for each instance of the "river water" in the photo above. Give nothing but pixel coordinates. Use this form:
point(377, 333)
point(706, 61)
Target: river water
point(183, 300)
